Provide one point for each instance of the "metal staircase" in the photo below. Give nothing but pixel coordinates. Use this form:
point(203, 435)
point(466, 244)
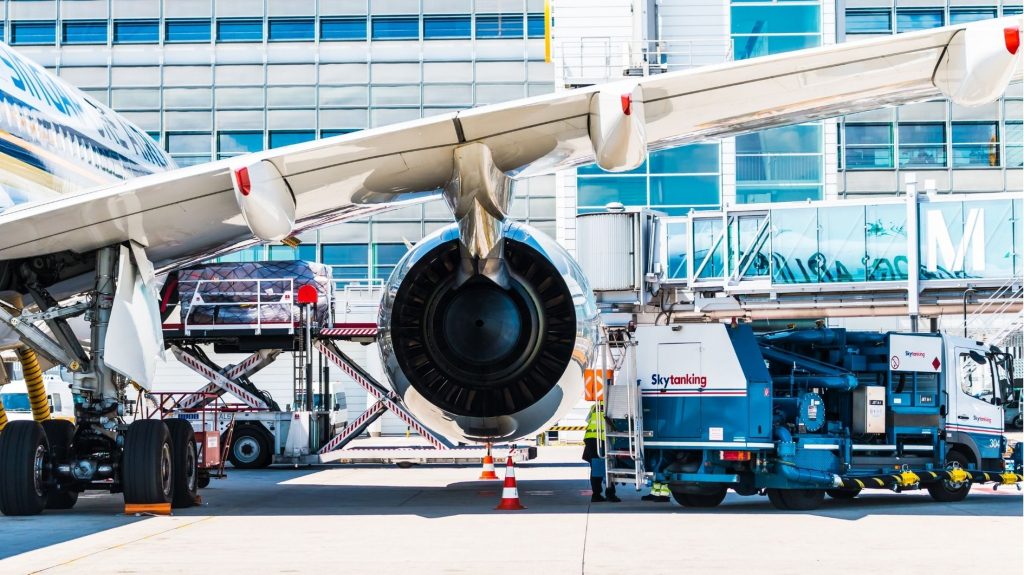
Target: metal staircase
point(624, 442)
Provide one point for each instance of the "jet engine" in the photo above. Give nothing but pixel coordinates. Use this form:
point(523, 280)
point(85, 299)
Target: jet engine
point(480, 362)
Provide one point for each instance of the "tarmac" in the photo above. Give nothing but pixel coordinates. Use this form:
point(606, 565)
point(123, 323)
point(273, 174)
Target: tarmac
point(441, 519)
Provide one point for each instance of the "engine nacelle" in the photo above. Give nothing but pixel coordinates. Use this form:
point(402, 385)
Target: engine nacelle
point(479, 362)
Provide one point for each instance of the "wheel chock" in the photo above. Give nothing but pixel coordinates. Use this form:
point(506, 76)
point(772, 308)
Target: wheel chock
point(147, 508)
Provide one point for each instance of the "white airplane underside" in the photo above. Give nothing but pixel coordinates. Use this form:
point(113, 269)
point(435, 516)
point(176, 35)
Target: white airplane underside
point(487, 326)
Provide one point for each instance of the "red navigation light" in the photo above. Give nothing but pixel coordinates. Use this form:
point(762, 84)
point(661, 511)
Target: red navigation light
point(242, 177)
point(307, 295)
point(627, 104)
point(734, 455)
point(1012, 37)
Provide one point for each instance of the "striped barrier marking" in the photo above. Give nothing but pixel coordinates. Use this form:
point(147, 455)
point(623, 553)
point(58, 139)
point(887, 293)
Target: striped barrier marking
point(375, 390)
point(568, 428)
point(218, 379)
point(356, 427)
point(349, 332)
point(202, 397)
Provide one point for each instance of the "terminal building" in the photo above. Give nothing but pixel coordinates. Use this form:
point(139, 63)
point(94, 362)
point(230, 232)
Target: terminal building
point(211, 79)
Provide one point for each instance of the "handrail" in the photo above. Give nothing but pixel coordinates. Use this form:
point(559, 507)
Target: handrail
point(199, 300)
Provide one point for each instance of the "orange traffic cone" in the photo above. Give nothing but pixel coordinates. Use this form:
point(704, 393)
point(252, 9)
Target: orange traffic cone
point(488, 472)
point(510, 495)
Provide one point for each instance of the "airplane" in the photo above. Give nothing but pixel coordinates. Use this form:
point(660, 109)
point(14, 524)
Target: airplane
point(486, 326)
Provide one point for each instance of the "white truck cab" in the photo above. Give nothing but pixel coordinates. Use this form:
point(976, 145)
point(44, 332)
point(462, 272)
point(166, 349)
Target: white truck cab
point(16, 403)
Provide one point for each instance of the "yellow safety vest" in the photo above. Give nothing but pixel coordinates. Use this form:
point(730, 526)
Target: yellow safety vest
point(593, 431)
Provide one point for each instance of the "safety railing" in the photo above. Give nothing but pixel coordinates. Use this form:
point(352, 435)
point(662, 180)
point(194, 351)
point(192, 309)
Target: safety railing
point(241, 304)
point(592, 60)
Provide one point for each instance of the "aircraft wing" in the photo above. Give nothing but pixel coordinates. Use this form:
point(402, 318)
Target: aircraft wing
point(192, 213)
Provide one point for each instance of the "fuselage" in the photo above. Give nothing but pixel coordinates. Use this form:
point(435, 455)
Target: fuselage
point(56, 140)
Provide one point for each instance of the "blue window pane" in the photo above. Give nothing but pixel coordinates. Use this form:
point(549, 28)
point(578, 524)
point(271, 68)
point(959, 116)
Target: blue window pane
point(189, 144)
point(344, 254)
point(779, 168)
point(592, 169)
point(500, 26)
point(332, 133)
point(239, 30)
point(2, 32)
point(447, 27)
point(78, 32)
point(910, 20)
point(628, 190)
point(136, 32)
point(239, 142)
point(868, 134)
point(974, 132)
point(1014, 144)
point(388, 254)
point(886, 242)
point(187, 31)
point(535, 26)
point(291, 30)
point(745, 47)
point(343, 29)
point(404, 28)
point(304, 252)
point(691, 159)
point(1012, 10)
point(776, 19)
point(684, 190)
point(805, 138)
point(708, 263)
point(287, 138)
point(868, 21)
point(758, 194)
point(963, 16)
point(868, 158)
point(922, 133)
point(25, 33)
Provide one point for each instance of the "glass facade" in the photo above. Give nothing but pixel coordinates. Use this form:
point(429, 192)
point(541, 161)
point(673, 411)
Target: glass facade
point(227, 77)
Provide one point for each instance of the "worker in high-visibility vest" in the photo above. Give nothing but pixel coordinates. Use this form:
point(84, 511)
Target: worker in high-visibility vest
point(595, 433)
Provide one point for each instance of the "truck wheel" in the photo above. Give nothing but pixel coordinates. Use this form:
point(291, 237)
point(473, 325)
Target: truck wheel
point(147, 463)
point(775, 497)
point(803, 499)
point(948, 491)
point(250, 448)
point(842, 493)
point(24, 468)
point(700, 500)
point(59, 433)
point(204, 479)
point(183, 451)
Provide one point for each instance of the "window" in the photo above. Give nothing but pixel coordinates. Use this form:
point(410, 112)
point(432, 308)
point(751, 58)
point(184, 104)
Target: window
point(187, 31)
point(771, 161)
point(401, 28)
point(975, 145)
point(291, 30)
point(304, 252)
point(868, 22)
point(773, 29)
point(689, 159)
point(189, 149)
point(280, 139)
point(136, 32)
point(342, 29)
point(910, 20)
point(965, 15)
point(976, 376)
point(868, 146)
point(30, 33)
point(333, 133)
point(385, 257)
point(239, 30)
point(535, 26)
point(236, 143)
point(922, 145)
point(1012, 10)
point(684, 190)
point(347, 261)
point(446, 27)
point(82, 32)
point(499, 26)
point(600, 191)
point(1014, 145)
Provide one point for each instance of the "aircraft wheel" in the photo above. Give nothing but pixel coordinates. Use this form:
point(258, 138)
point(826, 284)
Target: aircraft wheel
point(59, 434)
point(24, 468)
point(147, 464)
point(186, 472)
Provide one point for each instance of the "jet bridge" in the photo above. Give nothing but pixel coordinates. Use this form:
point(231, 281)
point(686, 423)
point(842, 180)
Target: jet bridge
point(918, 255)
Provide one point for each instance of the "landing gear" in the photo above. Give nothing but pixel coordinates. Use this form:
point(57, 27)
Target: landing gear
point(147, 464)
point(59, 434)
point(24, 468)
point(184, 469)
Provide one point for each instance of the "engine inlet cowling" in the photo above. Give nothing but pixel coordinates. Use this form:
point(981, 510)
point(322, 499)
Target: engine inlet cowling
point(482, 362)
